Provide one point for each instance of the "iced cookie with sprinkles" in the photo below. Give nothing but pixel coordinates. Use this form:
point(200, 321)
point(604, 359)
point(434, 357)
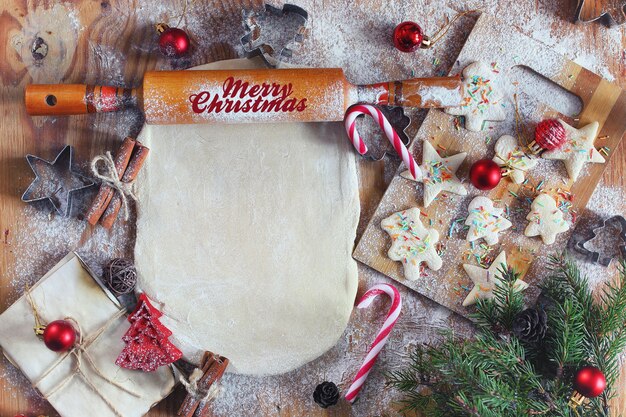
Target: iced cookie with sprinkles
point(484, 96)
point(545, 219)
point(512, 158)
point(578, 149)
point(485, 221)
point(485, 280)
point(412, 243)
point(438, 174)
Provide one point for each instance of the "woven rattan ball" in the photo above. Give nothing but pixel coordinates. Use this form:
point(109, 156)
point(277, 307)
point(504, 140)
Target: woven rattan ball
point(121, 276)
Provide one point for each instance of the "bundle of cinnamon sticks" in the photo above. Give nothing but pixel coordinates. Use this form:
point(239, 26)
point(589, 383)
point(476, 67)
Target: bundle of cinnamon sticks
point(128, 160)
point(212, 367)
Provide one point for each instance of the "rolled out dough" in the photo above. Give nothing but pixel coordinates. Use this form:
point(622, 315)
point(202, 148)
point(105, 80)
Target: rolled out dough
point(245, 235)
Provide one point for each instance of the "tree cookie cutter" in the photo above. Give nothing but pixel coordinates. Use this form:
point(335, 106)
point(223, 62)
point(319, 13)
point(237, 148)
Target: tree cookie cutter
point(377, 145)
point(55, 181)
point(579, 240)
point(274, 28)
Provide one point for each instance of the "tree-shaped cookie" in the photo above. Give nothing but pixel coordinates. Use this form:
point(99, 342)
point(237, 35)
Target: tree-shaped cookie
point(577, 149)
point(546, 220)
point(485, 221)
point(412, 243)
point(484, 96)
point(147, 345)
point(486, 279)
point(513, 159)
point(438, 174)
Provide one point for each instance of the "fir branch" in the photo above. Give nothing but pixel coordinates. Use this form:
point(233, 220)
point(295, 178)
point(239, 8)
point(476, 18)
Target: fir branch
point(497, 314)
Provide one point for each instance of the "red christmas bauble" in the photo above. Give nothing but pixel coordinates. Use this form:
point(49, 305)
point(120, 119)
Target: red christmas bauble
point(485, 174)
point(173, 42)
point(59, 336)
point(550, 134)
point(589, 381)
point(408, 37)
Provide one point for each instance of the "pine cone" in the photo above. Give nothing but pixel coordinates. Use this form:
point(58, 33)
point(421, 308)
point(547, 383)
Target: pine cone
point(326, 394)
point(530, 325)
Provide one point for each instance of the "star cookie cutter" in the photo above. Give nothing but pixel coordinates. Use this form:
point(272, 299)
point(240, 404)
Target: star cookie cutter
point(615, 222)
point(260, 42)
point(55, 181)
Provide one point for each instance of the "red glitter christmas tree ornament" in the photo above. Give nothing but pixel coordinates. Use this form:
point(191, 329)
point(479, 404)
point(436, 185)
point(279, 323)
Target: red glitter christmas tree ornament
point(549, 135)
point(147, 345)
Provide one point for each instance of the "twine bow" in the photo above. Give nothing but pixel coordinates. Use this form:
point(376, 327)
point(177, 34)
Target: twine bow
point(111, 178)
point(79, 352)
point(195, 391)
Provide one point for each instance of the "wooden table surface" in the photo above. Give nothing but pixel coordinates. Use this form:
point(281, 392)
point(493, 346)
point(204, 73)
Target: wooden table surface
point(113, 42)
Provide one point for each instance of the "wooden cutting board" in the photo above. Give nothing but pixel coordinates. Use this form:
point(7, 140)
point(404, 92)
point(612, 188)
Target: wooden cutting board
point(525, 62)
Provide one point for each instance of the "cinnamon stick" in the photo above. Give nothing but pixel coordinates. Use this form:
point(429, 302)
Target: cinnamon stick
point(213, 367)
point(190, 404)
point(139, 156)
point(216, 372)
point(105, 193)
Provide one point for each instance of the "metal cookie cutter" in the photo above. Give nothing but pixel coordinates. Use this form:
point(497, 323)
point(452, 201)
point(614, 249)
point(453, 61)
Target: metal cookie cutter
point(612, 13)
point(55, 181)
point(274, 33)
point(377, 145)
point(615, 222)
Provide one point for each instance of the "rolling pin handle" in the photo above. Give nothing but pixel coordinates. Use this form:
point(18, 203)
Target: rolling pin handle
point(66, 99)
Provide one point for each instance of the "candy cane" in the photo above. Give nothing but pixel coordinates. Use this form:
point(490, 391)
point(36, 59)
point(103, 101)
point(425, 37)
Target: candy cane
point(381, 337)
point(350, 123)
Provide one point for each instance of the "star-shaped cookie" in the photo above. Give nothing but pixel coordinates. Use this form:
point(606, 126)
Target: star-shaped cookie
point(512, 157)
point(546, 220)
point(484, 96)
point(486, 279)
point(412, 243)
point(55, 181)
point(485, 221)
point(438, 174)
point(577, 149)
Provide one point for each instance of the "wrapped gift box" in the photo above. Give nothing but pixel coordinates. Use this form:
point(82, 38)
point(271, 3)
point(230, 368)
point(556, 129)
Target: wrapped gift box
point(79, 383)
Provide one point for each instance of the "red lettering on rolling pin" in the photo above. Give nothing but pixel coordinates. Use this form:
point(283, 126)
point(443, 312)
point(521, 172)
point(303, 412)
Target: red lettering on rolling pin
point(239, 96)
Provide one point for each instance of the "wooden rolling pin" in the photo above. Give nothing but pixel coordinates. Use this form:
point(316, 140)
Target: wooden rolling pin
point(233, 96)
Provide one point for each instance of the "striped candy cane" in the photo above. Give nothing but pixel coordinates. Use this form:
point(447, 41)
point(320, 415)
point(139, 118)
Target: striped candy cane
point(381, 337)
point(350, 123)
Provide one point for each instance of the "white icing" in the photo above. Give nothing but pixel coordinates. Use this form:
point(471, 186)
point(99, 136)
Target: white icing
point(578, 149)
point(412, 243)
point(545, 219)
point(485, 280)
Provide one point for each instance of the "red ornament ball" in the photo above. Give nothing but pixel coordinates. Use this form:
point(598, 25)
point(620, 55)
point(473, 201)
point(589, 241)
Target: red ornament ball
point(59, 336)
point(550, 134)
point(173, 42)
point(408, 37)
point(589, 381)
point(485, 174)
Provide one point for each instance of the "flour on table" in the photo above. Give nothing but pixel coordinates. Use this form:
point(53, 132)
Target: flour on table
point(245, 235)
